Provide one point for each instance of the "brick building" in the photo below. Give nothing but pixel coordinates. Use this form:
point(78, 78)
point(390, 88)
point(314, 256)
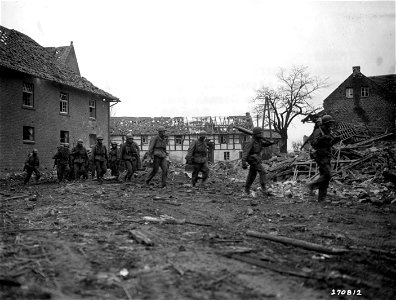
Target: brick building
point(44, 101)
point(226, 141)
point(366, 101)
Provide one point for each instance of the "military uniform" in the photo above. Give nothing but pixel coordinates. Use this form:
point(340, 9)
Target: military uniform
point(80, 161)
point(130, 154)
point(62, 158)
point(252, 155)
point(322, 142)
point(197, 156)
point(99, 154)
point(114, 161)
point(157, 152)
point(32, 164)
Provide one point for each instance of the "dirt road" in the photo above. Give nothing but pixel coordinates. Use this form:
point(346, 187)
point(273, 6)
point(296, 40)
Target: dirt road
point(81, 241)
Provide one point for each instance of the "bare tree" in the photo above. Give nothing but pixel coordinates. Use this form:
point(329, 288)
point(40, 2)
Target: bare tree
point(289, 100)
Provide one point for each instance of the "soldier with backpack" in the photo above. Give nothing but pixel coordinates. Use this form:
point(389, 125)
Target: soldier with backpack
point(197, 156)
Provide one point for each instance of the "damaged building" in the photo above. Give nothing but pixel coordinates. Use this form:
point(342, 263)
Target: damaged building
point(226, 142)
point(44, 101)
point(364, 103)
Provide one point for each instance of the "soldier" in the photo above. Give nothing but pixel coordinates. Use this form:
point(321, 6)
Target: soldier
point(157, 153)
point(114, 160)
point(80, 160)
point(32, 164)
point(252, 155)
point(62, 158)
point(198, 157)
point(321, 141)
point(99, 154)
point(70, 175)
point(130, 153)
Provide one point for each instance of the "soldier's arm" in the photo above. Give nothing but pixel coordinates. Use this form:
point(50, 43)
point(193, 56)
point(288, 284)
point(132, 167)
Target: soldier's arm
point(191, 149)
point(246, 150)
point(151, 146)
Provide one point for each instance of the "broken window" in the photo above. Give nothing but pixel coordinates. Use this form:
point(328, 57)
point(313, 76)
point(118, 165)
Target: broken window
point(144, 139)
point(364, 91)
point(27, 92)
point(349, 92)
point(28, 134)
point(223, 139)
point(64, 136)
point(227, 155)
point(64, 103)
point(178, 139)
point(92, 109)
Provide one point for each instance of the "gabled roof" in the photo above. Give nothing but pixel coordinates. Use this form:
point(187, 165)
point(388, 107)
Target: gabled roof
point(21, 53)
point(386, 81)
point(181, 125)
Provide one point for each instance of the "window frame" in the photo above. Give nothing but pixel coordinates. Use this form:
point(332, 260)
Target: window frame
point(62, 101)
point(25, 91)
point(62, 139)
point(92, 108)
point(31, 140)
point(226, 155)
point(349, 95)
point(224, 139)
point(144, 139)
point(178, 138)
point(364, 91)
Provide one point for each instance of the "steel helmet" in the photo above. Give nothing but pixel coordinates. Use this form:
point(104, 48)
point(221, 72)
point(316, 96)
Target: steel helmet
point(80, 141)
point(161, 128)
point(202, 133)
point(129, 136)
point(327, 119)
point(99, 138)
point(257, 130)
point(113, 143)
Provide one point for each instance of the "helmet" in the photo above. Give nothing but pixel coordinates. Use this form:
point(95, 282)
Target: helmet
point(113, 143)
point(257, 130)
point(129, 136)
point(66, 144)
point(99, 137)
point(202, 133)
point(35, 151)
point(161, 128)
point(327, 119)
point(80, 141)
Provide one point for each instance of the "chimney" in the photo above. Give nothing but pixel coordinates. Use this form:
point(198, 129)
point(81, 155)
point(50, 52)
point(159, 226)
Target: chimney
point(71, 43)
point(356, 70)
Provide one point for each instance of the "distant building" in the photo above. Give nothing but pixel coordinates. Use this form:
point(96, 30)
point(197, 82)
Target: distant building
point(44, 101)
point(226, 141)
point(366, 101)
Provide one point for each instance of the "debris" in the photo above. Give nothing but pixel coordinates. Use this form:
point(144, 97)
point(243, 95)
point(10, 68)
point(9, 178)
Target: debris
point(141, 237)
point(298, 243)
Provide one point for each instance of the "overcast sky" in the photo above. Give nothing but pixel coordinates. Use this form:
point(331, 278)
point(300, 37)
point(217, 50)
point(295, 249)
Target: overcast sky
point(207, 57)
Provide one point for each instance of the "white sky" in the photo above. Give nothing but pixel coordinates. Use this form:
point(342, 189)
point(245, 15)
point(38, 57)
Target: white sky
point(207, 57)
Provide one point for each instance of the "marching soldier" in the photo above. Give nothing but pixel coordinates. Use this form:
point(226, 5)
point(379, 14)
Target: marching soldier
point(99, 154)
point(252, 155)
point(157, 153)
point(32, 164)
point(80, 160)
point(130, 153)
point(62, 158)
point(197, 156)
point(114, 160)
point(322, 141)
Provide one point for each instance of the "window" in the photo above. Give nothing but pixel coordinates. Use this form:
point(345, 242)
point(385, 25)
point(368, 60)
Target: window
point(227, 155)
point(364, 92)
point(178, 139)
point(92, 109)
point(64, 136)
point(27, 92)
point(223, 139)
point(28, 134)
point(240, 154)
point(144, 139)
point(64, 103)
point(349, 93)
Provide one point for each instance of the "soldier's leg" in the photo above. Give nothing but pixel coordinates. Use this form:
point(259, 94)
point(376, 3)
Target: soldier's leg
point(36, 173)
point(250, 178)
point(205, 172)
point(156, 164)
point(84, 170)
point(325, 172)
point(98, 170)
point(29, 172)
point(76, 171)
point(164, 168)
point(104, 168)
point(194, 176)
point(263, 177)
point(59, 174)
point(129, 173)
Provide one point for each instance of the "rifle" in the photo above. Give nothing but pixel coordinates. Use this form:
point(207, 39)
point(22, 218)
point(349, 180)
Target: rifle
point(248, 132)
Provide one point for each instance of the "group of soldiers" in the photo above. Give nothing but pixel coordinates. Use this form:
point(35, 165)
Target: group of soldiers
point(75, 163)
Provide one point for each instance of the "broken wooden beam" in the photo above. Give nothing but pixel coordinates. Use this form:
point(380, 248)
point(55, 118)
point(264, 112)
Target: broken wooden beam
point(298, 243)
point(141, 237)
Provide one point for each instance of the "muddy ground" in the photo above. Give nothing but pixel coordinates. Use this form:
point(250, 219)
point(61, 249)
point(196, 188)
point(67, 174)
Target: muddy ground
point(76, 241)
